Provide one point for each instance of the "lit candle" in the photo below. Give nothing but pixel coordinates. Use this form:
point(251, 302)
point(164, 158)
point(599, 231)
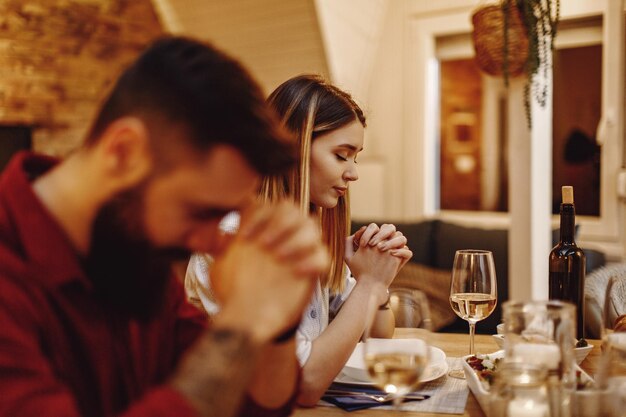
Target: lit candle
point(538, 354)
point(527, 407)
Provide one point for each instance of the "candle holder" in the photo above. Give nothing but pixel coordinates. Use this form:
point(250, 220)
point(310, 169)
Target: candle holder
point(521, 390)
point(543, 334)
point(595, 402)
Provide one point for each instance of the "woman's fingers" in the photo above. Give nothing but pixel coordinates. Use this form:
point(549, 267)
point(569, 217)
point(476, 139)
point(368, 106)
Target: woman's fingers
point(385, 231)
point(396, 241)
point(356, 238)
point(368, 234)
point(404, 254)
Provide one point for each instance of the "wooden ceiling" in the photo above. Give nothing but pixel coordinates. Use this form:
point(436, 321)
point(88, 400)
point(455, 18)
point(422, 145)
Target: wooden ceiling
point(276, 39)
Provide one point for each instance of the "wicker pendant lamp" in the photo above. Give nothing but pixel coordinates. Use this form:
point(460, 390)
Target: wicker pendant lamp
point(497, 54)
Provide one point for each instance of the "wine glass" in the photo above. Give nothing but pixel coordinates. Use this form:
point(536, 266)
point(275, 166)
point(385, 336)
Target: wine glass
point(473, 291)
point(395, 365)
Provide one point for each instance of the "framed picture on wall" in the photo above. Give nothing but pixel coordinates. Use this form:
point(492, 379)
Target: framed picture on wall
point(461, 132)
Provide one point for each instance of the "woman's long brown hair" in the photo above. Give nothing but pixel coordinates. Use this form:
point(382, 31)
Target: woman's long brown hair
point(309, 107)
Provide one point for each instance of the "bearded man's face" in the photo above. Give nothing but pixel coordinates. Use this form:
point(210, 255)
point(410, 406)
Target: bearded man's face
point(129, 273)
point(138, 234)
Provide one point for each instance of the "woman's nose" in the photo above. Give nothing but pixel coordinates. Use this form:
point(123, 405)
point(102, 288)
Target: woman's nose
point(351, 174)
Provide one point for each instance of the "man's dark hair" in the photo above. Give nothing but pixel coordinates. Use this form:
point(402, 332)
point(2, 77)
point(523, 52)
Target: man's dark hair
point(183, 81)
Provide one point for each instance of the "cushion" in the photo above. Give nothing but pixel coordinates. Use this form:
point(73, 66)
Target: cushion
point(418, 236)
point(435, 283)
point(615, 300)
point(593, 259)
point(450, 237)
point(598, 285)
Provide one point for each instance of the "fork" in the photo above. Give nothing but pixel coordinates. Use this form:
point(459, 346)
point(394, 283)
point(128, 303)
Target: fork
point(378, 398)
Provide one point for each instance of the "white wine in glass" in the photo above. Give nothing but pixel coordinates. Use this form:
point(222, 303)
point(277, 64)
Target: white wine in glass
point(396, 370)
point(396, 365)
point(473, 291)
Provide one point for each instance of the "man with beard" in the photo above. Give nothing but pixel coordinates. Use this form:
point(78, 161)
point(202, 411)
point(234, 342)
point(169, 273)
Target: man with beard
point(93, 322)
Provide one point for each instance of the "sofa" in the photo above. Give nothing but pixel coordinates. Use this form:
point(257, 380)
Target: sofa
point(605, 298)
point(434, 243)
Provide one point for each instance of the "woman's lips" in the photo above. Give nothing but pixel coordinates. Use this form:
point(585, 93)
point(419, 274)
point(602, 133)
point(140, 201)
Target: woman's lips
point(340, 190)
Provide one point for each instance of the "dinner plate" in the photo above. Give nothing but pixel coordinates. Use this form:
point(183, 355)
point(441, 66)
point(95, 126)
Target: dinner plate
point(355, 372)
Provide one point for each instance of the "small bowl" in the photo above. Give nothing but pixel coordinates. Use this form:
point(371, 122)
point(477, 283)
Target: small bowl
point(500, 328)
point(582, 352)
point(499, 339)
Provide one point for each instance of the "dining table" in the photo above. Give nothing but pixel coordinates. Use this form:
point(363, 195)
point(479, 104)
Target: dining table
point(454, 345)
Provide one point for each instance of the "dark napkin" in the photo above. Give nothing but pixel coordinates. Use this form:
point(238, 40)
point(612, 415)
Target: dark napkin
point(349, 403)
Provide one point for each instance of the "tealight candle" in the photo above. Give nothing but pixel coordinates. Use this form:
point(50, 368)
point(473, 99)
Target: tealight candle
point(527, 407)
point(547, 355)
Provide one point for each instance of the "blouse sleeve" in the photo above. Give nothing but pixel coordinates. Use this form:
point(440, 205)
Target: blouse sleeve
point(198, 283)
point(303, 348)
point(337, 300)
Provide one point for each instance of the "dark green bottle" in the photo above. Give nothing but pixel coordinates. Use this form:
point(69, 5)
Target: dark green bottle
point(567, 263)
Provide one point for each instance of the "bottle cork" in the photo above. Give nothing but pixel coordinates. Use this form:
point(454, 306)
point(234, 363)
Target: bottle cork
point(567, 194)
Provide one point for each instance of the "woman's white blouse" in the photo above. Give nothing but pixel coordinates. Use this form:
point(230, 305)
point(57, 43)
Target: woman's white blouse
point(317, 315)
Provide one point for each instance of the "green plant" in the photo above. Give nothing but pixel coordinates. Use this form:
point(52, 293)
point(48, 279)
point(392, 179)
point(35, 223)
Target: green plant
point(541, 18)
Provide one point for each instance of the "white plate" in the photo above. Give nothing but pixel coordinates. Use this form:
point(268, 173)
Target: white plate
point(474, 383)
point(355, 372)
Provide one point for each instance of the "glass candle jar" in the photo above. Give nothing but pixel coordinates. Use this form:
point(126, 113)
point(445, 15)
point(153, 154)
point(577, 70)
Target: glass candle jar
point(543, 334)
point(611, 375)
point(521, 390)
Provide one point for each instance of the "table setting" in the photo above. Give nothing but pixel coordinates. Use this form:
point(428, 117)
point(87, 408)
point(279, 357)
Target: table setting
point(352, 389)
point(538, 373)
point(455, 347)
point(412, 373)
point(531, 368)
point(408, 374)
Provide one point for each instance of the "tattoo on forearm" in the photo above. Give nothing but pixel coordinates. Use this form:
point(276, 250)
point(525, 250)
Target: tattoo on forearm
point(215, 372)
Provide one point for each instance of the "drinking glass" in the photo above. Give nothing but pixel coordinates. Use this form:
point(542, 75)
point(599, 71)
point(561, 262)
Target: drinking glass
point(473, 291)
point(410, 308)
point(611, 375)
point(542, 333)
point(395, 365)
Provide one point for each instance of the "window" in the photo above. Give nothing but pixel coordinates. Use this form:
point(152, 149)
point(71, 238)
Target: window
point(473, 143)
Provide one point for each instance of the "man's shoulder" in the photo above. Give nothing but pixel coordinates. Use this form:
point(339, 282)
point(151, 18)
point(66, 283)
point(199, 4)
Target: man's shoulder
point(20, 296)
point(11, 262)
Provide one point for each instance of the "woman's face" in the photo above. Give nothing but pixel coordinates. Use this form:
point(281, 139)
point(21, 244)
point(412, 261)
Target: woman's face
point(333, 163)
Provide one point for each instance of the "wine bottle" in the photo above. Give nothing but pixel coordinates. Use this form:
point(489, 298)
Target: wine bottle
point(567, 263)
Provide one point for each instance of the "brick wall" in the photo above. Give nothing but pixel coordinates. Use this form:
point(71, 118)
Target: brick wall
point(58, 58)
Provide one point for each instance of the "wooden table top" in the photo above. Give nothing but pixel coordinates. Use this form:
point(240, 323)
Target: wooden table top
point(454, 345)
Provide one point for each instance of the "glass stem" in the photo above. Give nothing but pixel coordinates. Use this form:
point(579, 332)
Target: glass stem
point(397, 402)
point(472, 328)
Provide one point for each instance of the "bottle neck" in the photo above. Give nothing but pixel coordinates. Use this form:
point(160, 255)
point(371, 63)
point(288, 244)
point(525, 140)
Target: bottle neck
point(568, 220)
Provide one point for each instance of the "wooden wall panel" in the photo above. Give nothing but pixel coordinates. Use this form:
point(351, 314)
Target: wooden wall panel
point(59, 57)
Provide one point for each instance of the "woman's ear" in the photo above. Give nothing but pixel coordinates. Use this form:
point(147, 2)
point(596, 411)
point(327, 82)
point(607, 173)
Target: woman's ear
point(124, 149)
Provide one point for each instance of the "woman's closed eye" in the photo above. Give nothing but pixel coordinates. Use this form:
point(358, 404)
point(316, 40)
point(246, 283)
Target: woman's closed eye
point(345, 158)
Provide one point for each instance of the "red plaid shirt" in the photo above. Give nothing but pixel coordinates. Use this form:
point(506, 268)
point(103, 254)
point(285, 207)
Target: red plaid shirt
point(61, 353)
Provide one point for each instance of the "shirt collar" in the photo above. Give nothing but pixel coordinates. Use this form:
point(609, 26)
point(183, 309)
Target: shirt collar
point(35, 233)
